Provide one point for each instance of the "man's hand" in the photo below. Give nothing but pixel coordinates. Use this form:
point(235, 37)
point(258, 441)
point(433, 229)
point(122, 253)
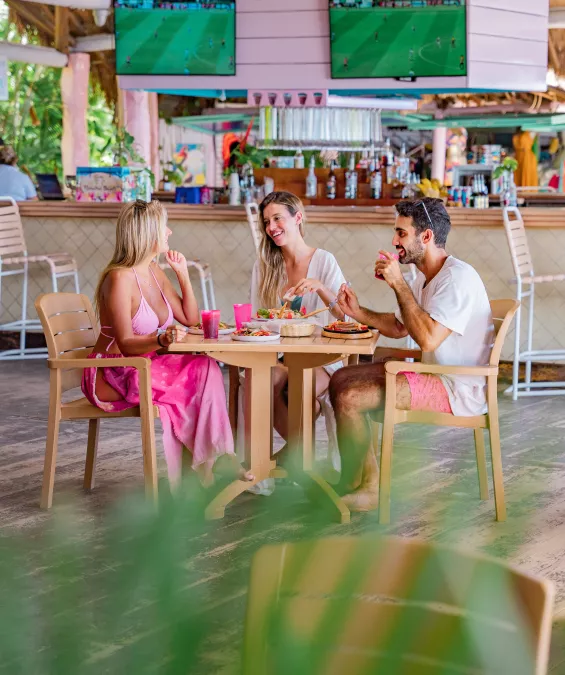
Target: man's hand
point(389, 269)
point(348, 302)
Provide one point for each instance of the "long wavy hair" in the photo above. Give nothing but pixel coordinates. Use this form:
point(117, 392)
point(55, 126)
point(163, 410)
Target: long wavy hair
point(272, 269)
point(141, 227)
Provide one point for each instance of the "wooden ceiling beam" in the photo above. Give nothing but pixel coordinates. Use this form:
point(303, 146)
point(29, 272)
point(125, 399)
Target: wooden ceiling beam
point(554, 60)
point(62, 29)
point(31, 18)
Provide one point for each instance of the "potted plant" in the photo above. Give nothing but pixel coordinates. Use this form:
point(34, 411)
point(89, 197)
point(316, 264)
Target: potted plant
point(505, 172)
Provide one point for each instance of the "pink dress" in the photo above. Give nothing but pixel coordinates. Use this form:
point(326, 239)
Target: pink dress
point(188, 389)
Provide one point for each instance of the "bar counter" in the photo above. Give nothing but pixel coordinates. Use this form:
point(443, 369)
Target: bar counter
point(328, 215)
point(221, 236)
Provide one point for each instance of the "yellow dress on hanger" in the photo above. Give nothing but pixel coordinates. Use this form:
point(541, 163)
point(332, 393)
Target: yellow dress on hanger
point(527, 172)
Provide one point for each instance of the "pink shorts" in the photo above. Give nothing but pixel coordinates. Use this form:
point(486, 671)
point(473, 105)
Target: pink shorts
point(427, 393)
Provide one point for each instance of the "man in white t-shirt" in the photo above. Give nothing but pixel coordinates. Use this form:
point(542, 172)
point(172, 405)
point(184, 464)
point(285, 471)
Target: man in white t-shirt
point(447, 313)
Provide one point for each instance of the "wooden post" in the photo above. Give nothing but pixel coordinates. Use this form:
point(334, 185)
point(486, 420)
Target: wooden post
point(62, 29)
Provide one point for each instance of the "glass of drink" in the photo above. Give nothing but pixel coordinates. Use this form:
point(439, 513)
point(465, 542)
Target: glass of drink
point(210, 323)
point(383, 257)
point(242, 314)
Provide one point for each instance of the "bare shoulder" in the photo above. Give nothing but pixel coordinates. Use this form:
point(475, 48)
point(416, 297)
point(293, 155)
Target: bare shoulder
point(118, 280)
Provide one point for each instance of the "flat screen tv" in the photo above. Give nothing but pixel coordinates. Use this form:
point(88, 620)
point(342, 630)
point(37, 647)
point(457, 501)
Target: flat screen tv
point(398, 38)
point(175, 38)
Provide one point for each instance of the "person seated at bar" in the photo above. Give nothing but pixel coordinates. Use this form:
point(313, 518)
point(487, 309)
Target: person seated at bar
point(138, 307)
point(446, 312)
point(287, 266)
point(14, 183)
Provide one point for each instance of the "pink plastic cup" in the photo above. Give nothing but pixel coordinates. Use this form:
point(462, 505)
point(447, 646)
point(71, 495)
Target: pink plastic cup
point(211, 323)
point(383, 257)
point(242, 314)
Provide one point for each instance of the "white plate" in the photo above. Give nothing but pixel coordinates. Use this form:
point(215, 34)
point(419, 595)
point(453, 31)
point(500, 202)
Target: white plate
point(255, 338)
point(198, 331)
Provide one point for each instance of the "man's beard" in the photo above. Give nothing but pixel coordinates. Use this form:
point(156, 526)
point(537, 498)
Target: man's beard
point(413, 255)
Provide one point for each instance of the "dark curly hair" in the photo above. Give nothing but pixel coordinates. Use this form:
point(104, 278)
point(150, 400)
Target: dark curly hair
point(427, 214)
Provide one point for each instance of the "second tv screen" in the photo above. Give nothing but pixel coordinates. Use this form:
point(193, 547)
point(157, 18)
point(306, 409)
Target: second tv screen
point(398, 38)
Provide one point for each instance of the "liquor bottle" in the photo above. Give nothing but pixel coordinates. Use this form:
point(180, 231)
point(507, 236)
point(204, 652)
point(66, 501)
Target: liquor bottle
point(376, 182)
point(311, 180)
point(299, 159)
point(331, 183)
point(351, 179)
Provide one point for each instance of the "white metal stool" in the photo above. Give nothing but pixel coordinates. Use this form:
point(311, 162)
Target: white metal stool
point(525, 276)
point(252, 211)
point(14, 256)
point(206, 281)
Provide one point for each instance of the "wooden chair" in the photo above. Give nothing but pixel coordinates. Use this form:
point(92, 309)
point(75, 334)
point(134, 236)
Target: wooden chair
point(395, 606)
point(71, 330)
point(14, 260)
point(503, 312)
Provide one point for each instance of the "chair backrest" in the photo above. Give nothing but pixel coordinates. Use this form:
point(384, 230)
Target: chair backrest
point(252, 211)
point(502, 313)
point(11, 230)
point(71, 330)
point(517, 242)
point(361, 605)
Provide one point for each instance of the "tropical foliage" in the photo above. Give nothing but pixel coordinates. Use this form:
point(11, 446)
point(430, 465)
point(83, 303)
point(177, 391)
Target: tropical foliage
point(32, 119)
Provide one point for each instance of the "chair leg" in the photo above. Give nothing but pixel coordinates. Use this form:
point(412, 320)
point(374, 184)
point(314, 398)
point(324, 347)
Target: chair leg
point(91, 451)
point(386, 470)
point(529, 343)
point(77, 286)
point(481, 463)
point(50, 456)
point(24, 309)
point(496, 454)
point(516, 364)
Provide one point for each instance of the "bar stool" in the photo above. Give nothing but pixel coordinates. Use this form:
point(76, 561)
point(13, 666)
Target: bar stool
point(525, 276)
point(206, 281)
point(13, 252)
point(252, 211)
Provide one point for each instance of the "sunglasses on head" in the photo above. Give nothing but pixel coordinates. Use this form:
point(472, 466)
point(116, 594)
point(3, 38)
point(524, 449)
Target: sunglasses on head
point(426, 210)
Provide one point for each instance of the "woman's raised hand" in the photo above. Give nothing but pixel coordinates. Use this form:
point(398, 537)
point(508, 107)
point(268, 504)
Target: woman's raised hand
point(174, 333)
point(305, 286)
point(177, 261)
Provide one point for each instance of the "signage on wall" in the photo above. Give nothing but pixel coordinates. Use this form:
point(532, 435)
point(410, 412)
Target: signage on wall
point(3, 78)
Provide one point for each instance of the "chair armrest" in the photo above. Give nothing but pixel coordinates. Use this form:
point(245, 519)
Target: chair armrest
point(138, 362)
point(395, 367)
point(395, 353)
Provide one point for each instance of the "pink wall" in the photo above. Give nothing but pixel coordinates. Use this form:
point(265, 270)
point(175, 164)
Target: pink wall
point(285, 44)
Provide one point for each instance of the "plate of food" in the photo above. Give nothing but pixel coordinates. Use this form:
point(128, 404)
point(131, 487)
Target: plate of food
point(279, 313)
point(254, 335)
point(346, 329)
point(224, 329)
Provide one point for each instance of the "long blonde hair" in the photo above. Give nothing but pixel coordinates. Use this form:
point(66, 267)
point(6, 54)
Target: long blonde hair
point(272, 269)
point(141, 226)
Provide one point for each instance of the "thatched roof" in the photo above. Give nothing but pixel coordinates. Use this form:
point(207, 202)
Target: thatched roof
point(31, 16)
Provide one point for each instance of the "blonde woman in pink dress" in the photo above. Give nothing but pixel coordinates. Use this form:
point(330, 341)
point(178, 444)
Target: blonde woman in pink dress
point(138, 307)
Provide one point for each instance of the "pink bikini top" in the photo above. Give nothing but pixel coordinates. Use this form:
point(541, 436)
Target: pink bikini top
point(145, 320)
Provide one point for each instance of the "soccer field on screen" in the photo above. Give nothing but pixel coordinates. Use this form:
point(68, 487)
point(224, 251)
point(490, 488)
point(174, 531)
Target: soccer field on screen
point(411, 42)
point(175, 42)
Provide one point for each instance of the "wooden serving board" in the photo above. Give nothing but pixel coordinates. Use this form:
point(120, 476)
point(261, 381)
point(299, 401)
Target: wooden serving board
point(347, 336)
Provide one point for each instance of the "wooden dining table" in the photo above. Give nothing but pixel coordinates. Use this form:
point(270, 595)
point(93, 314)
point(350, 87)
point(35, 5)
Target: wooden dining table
point(301, 356)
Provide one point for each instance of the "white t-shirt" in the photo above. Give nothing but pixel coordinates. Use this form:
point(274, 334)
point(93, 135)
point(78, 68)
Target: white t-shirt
point(456, 297)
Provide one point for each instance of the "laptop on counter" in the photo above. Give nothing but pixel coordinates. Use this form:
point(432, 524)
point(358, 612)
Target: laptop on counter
point(49, 186)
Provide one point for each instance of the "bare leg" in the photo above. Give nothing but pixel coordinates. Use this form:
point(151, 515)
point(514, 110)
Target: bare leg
point(355, 391)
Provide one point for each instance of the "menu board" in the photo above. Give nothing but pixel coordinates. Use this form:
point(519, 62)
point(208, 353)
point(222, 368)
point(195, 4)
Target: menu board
point(174, 38)
point(398, 38)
